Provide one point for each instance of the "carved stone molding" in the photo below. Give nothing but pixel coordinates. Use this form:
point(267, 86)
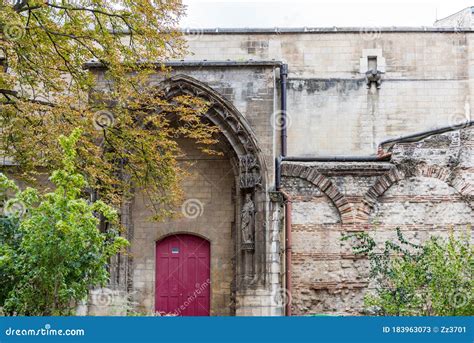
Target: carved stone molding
point(277, 197)
point(221, 113)
point(249, 172)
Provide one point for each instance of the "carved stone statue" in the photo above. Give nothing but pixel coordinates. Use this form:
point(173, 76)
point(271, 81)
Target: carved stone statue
point(248, 220)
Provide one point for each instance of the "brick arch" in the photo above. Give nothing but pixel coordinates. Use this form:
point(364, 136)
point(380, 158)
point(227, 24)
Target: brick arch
point(396, 174)
point(310, 174)
point(465, 189)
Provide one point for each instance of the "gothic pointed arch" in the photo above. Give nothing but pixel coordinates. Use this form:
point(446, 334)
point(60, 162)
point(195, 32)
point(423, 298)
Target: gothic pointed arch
point(231, 124)
point(251, 177)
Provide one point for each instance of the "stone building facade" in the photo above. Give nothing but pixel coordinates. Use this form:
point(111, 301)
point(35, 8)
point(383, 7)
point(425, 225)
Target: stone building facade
point(348, 92)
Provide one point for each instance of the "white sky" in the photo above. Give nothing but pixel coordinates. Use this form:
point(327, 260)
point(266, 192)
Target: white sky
point(317, 13)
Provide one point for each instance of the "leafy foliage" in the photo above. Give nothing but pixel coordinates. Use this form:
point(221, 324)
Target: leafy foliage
point(129, 126)
point(9, 239)
point(51, 249)
point(434, 278)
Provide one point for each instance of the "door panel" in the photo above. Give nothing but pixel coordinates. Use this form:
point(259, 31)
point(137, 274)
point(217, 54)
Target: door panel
point(183, 276)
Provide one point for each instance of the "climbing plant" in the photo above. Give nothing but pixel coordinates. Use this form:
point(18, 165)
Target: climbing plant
point(434, 278)
point(51, 249)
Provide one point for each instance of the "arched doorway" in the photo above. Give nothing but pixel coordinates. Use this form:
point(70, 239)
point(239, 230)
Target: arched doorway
point(182, 284)
point(225, 188)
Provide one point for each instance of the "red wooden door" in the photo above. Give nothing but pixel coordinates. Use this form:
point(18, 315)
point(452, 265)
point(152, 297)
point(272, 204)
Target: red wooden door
point(182, 284)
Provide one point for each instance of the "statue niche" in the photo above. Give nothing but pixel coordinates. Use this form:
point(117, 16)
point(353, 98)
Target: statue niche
point(248, 223)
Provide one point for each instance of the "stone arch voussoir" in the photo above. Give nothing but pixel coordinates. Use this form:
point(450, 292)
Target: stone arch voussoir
point(222, 113)
point(398, 173)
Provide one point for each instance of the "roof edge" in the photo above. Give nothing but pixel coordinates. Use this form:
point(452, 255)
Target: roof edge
point(309, 30)
point(201, 63)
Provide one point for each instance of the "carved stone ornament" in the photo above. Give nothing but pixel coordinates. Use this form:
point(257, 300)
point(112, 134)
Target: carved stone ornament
point(249, 172)
point(373, 76)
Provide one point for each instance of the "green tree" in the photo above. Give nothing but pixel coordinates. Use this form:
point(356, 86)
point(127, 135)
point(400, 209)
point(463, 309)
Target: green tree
point(431, 279)
point(129, 127)
point(51, 250)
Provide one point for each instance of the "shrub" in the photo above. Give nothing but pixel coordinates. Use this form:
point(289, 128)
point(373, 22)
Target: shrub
point(431, 279)
point(51, 249)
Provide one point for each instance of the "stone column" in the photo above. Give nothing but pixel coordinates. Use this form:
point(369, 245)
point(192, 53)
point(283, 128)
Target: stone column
point(261, 296)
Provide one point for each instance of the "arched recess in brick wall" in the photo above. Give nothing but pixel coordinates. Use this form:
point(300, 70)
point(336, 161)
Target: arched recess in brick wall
point(420, 206)
point(251, 174)
point(401, 173)
point(346, 211)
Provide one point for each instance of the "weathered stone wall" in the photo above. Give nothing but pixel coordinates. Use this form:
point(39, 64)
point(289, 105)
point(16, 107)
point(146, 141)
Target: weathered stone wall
point(427, 189)
point(252, 91)
point(427, 82)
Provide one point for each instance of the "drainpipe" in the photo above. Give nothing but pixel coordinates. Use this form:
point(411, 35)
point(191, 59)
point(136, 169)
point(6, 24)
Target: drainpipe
point(423, 134)
point(287, 198)
point(337, 158)
point(288, 247)
point(283, 77)
point(278, 172)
